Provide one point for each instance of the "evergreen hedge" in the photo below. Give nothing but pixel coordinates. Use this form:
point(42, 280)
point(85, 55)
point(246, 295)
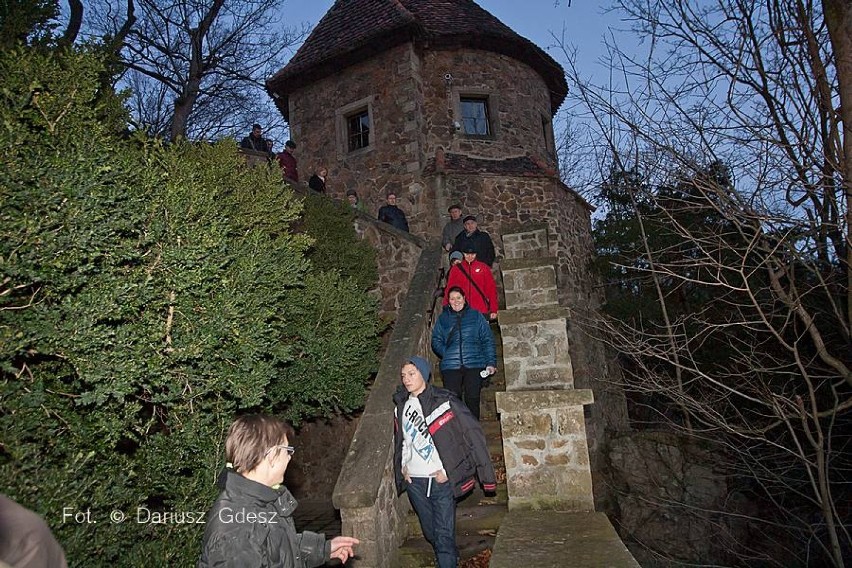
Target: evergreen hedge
point(148, 293)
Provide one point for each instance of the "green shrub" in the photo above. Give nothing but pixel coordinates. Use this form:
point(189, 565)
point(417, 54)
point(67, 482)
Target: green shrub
point(148, 294)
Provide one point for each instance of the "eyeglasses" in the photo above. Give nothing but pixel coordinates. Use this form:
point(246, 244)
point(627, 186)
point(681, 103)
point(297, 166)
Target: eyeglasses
point(290, 449)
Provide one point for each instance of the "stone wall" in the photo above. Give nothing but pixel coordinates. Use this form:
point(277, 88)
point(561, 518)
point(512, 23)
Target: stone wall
point(390, 84)
point(544, 432)
point(397, 253)
point(518, 101)
point(556, 223)
point(670, 491)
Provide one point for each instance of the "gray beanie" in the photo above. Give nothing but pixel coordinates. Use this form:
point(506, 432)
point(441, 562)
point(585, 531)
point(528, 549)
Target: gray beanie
point(423, 366)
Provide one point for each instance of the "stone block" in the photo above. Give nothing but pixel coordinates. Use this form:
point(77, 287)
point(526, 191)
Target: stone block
point(570, 422)
point(556, 459)
point(541, 481)
point(529, 424)
point(531, 444)
point(529, 460)
point(552, 376)
point(526, 401)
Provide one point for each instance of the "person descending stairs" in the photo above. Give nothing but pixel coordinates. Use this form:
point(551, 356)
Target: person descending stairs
point(478, 516)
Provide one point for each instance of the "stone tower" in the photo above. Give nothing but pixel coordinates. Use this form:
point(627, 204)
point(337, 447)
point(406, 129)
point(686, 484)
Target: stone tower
point(442, 103)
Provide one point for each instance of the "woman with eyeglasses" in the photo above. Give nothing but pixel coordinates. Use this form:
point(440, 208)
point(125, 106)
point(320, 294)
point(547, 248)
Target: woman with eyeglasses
point(251, 522)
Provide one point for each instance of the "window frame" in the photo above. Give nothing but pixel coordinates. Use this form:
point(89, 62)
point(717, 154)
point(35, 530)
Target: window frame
point(343, 116)
point(492, 108)
point(356, 132)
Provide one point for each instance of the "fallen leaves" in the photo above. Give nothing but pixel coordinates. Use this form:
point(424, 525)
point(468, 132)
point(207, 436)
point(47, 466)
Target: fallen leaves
point(481, 560)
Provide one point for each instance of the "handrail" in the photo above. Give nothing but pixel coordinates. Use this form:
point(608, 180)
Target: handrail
point(438, 293)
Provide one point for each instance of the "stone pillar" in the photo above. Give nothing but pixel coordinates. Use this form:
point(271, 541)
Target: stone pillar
point(541, 414)
point(545, 447)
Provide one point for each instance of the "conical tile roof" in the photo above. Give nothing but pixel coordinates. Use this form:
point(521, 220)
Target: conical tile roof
point(354, 30)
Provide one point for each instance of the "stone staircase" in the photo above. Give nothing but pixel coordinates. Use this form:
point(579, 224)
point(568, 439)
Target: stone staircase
point(478, 516)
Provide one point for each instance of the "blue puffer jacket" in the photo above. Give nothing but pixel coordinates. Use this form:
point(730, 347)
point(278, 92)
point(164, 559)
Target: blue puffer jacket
point(463, 339)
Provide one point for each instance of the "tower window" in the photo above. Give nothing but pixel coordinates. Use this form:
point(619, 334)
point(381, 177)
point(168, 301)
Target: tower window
point(475, 117)
point(358, 130)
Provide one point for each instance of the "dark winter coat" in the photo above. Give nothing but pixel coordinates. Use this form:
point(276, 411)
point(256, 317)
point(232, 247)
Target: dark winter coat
point(393, 215)
point(251, 524)
point(256, 144)
point(481, 243)
point(463, 339)
point(458, 438)
point(317, 183)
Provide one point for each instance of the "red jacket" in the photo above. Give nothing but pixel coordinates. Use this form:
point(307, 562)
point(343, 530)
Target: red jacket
point(287, 161)
point(483, 300)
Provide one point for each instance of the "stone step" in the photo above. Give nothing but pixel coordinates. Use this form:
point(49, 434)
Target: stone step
point(476, 530)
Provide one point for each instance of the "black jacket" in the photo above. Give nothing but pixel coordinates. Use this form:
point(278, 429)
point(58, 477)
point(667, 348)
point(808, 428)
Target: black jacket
point(457, 436)
point(481, 243)
point(393, 215)
point(251, 524)
point(316, 183)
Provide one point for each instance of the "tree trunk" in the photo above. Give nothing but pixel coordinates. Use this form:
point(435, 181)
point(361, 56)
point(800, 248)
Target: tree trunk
point(838, 19)
point(186, 101)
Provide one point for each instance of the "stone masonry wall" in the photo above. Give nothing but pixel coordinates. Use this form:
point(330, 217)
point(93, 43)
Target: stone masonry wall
point(513, 205)
point(390, 83)
point(396, 256)
point(545, 447)
point(518, 100)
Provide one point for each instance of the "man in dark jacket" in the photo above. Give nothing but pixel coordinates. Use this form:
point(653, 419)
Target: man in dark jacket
point(439, 451)
point(479, 241)
point(251, 522)
point(393, 215)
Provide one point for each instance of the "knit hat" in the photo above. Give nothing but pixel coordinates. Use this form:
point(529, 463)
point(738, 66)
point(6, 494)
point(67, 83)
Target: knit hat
point(423, 366)
point(468, 248)
point(456, 255)
point(468, 218)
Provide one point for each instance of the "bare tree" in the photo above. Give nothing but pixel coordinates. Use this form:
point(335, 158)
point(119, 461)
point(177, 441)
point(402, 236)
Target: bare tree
point(749, 343)
point(197, 67)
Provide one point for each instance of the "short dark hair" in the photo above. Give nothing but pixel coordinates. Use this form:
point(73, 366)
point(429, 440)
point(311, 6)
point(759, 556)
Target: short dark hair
point(251, 436)
point(256, 126)
point(290, 144)
point(455, 289)
point(454, 206)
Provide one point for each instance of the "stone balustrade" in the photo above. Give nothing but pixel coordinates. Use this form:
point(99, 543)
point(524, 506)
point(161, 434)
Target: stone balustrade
point(544, 432)
point(365, 493)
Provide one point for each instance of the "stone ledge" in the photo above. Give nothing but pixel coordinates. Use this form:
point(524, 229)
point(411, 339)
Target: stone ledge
point(524, 263)
point(526, 401)
point(554, 539)
point(389, 229)
point(514, 316)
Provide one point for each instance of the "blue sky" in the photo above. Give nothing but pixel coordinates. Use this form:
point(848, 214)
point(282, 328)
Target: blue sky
point(584, 23)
